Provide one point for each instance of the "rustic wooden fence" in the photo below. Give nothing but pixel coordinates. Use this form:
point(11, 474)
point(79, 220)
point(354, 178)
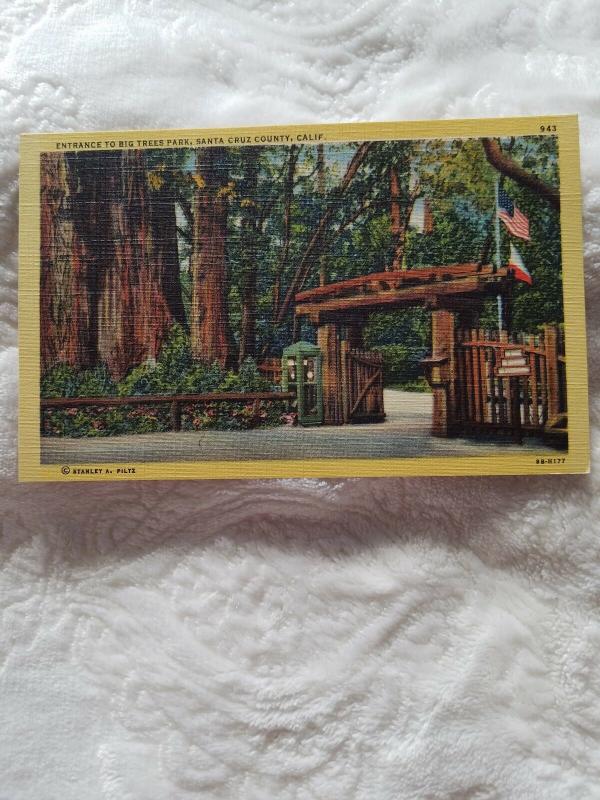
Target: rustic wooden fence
point(486, 399)
point(270, 369)
point(177, 402)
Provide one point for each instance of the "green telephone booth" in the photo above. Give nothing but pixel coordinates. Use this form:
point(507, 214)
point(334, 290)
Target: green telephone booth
point(301, 370)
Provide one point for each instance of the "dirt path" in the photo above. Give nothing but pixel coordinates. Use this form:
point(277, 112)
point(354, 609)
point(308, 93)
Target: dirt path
point(405, 433)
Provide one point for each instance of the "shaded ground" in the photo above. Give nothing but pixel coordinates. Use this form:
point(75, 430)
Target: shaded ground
point(405, 433)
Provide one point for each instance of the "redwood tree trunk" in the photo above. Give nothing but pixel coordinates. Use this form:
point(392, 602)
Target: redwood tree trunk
point(208, 260)
point(133, 312)
point(249, 253)
point(66, 313)
point(109, 267)
point(164, 238)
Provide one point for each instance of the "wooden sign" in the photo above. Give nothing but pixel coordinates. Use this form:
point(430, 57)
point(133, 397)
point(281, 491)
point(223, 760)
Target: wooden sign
point(513, 364)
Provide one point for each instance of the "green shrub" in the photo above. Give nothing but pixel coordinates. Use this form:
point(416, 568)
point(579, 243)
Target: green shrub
point(223, 416)
point(145, 379)
point(175, 358)
point(65, 381)
point(202, 378)
point(166, 376)
point(418, 385)
point(248, 379)
point(97, 383)
point(60, 381)
point(175, 372)
point(401, 364)
point(103, 421)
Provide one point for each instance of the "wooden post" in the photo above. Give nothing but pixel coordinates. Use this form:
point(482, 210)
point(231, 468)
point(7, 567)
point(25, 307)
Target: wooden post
point(533, 383)
point(176, 415)
point(507, 311)
point(443, 345)
point(552, 375)
point(515, 410)
point(355, 334)
point(344, 347)
point(329, 341)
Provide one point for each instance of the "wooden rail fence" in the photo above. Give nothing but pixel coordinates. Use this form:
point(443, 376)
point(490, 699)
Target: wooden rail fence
point(176, 401)
point(270, 368)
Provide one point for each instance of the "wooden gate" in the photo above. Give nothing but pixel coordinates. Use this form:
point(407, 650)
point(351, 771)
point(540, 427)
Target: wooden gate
point(487, 399)
point(362, 389)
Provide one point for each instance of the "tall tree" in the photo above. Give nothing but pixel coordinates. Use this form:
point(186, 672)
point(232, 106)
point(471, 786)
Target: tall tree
point(110, 289)
point(249, 251)
point(208, 260)
point(66, 311)
point(288, 196)
point(164, 195)
point(321, 191)
point(401, 206)
point(134, 316)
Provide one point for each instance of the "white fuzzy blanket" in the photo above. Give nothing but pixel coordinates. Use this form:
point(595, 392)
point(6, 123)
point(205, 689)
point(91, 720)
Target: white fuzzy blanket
point(369, 639)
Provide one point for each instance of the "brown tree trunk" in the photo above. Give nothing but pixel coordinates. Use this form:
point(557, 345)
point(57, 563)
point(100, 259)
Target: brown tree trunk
point(249, 253)
point(506, 166)
point(134, 316)
point(66, 313)
point(208, 265)
point(164, 237)
point(288, 196)
point(321, 191)
point(110, 275)
point(396, 220)
point(399, 216)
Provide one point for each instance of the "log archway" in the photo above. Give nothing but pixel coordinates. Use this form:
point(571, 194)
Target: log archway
point(454, 294)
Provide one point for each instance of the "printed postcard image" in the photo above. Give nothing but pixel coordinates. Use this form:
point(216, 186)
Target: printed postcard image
point(378, 299)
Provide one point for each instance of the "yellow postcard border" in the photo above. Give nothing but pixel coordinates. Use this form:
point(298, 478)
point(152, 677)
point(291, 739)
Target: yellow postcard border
point(576, 460)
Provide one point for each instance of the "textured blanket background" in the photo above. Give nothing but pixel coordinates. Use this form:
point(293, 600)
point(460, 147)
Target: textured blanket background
point(419, 639)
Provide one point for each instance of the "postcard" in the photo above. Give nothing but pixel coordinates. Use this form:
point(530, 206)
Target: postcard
point(377, 299)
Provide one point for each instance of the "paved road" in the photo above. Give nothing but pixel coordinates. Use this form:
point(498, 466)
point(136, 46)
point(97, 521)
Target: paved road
point(405, 433)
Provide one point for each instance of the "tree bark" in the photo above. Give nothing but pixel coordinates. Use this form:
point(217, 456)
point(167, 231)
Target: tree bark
point(321, 191)
point(249, 253)
point(110, 286)
point(208, 265)
point(397, 227)
point(66, 313)
point(400, 217)
point(163, 222)
point(505, 165)
point(288, 196)
point(133, 311)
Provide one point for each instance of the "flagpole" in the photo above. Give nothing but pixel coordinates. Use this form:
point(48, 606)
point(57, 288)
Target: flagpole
point(498, 252)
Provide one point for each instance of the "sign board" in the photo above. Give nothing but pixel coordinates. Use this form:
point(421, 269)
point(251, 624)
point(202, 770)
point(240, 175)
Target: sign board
point(513, 363)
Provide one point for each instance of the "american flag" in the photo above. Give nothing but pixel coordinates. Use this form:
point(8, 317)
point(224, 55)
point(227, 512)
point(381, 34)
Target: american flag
point(516, 222)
